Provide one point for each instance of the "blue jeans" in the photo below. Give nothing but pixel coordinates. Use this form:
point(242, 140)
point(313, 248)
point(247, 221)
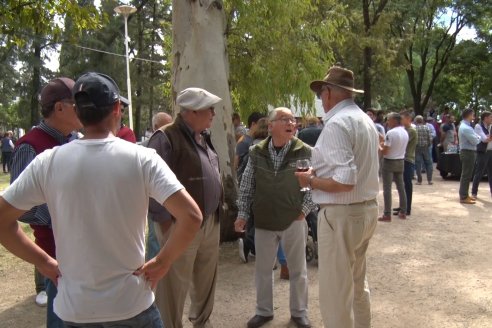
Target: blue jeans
point(150, 318)
point(483, 164)
point(281, 256)
point(39, 281)
point(408, 171)
point(467, 158)
point(422, 157)
point(52, 320)
point(152, 247)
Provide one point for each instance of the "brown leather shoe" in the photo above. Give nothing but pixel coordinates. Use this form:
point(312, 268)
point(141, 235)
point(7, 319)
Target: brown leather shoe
point(402, 216)
point(301, 322)
point(385, 218)
point(258, 321)
point(467, 200)
point(284, 272)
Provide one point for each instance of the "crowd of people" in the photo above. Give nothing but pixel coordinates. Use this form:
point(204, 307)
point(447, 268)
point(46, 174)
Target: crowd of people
point(89, 198)
point(411, 146)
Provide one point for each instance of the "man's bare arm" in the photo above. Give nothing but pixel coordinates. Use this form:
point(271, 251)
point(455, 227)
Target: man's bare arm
point(13, 238)
point(327, 185)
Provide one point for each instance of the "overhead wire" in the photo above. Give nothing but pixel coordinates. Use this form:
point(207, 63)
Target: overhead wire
point(85, 48)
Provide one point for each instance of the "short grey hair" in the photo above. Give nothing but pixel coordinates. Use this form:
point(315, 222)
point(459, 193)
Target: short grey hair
point(160, 119)
point(395, 116)
point(419, 119)
point(273, 113)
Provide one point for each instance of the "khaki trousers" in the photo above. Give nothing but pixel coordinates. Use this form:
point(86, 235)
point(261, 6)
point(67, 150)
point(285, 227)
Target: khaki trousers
point(344, 232)
point(293, 241)
point(195, 268)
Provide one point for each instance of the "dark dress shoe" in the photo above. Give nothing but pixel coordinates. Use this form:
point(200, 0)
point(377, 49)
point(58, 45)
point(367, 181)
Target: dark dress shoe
point(258, 321)
point(301, 322)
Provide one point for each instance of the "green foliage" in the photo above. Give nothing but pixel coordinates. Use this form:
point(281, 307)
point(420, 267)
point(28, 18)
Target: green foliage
point(276, 48)
point(153, 42)
point(368, 26)
point(428, 30)
point(19, 19)
point(32, 28)
point(149, 31)
point(466, 80)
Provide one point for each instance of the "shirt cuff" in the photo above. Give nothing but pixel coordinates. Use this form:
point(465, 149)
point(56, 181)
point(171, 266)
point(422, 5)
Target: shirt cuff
point(243, 215)
point(346, 175)
point(306, 210)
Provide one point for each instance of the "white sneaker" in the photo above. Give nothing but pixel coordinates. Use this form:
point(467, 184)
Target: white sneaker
point(42, 298)
point(240, 245)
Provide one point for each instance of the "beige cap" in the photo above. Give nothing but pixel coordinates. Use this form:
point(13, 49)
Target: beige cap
point(196, 99)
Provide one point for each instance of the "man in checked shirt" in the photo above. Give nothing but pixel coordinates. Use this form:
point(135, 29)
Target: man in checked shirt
point(270, 189)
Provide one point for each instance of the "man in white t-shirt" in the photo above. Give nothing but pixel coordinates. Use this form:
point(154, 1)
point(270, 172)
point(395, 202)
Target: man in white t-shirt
point(97, 189)
point(394, 146)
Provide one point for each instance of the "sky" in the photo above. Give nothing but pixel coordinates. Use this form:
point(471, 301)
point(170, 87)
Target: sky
point(465, 34)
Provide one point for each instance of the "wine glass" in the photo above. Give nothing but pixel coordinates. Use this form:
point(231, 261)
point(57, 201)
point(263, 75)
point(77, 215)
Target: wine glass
point(303, 165)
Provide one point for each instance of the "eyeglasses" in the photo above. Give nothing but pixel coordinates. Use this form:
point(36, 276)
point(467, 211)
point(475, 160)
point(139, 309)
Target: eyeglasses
point(318, 94)
point(286, 120)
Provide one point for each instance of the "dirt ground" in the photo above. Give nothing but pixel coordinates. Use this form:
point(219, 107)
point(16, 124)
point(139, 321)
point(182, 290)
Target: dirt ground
point(433, 270)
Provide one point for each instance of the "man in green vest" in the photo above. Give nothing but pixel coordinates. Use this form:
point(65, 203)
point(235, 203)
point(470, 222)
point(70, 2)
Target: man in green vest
point(270, 189)
point(186, 147)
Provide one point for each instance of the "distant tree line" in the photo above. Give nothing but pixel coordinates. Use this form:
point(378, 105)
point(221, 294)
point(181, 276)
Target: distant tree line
point(405, 54)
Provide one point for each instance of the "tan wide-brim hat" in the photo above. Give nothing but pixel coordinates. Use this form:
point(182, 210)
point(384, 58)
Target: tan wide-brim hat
point(339, 77)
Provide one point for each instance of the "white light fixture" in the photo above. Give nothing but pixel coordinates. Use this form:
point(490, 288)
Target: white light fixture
point(126, 11)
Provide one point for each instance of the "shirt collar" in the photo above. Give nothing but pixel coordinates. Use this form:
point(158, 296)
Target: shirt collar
point(57, 135)
point(190, 130)
point(338, 107)
point(272, 147)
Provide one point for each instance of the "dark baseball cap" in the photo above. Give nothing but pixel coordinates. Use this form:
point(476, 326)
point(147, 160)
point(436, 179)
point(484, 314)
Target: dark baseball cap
point(96, 90)
point(56, 90)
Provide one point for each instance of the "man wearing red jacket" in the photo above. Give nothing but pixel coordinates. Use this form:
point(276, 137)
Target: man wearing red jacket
point(124, 132)
point(59, 120)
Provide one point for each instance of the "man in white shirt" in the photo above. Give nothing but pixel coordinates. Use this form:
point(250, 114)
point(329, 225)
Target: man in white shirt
point(344, 180)
point(97, 189)
point(483, 163)
point(394, 147)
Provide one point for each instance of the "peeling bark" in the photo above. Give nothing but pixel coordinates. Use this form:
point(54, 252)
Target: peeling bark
point(200, 60)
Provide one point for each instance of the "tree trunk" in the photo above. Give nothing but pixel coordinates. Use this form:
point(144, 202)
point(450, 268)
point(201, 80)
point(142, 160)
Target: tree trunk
point(367, 56)
point(35, 82)
point(152, 70)
point(416, 96)
point(200, 60)
point(367, 77)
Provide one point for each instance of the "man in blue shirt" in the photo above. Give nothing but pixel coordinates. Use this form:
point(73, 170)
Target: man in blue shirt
point(468, 140)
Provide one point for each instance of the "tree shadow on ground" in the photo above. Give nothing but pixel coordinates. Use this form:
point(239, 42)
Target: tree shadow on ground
point(24, 314)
